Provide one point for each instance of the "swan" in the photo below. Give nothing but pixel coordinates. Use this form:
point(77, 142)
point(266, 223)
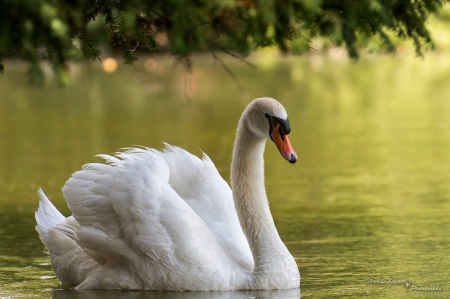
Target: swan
point(166, 220)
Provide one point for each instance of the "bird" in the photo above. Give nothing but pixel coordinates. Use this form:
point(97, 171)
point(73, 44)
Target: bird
point(165, 220)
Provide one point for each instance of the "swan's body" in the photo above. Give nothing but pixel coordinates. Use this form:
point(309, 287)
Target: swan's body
point(152, 220)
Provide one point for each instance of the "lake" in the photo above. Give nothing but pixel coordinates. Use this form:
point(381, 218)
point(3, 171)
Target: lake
point(364, 211)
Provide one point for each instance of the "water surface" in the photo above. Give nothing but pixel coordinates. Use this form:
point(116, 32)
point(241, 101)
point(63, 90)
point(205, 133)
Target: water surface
point(365, 210)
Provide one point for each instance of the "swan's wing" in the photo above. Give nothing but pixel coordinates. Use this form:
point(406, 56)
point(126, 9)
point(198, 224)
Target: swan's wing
point(130, 216)
point(199, 183)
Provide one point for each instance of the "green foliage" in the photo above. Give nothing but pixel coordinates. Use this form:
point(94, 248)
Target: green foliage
point(47, 29)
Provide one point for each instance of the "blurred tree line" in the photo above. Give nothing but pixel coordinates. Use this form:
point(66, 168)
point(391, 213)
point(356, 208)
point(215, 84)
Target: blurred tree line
point(60, 31)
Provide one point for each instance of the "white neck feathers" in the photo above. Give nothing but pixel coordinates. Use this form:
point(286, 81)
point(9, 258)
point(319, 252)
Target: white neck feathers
point(247, 179)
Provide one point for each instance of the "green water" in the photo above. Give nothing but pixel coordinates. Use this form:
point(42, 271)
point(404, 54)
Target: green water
point(367, 202)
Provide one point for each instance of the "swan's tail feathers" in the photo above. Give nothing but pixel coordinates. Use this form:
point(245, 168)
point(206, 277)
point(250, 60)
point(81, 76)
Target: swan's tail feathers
point(59, 234)
point(47, 216)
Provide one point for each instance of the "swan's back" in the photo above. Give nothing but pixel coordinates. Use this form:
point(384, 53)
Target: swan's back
point(149, 223)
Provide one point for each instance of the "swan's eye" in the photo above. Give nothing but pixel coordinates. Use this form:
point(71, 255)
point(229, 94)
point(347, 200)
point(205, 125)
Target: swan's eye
point(283, 129)
point(281, 133)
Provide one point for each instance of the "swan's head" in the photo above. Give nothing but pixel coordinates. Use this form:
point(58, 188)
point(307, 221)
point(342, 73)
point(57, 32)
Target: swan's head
point(267, 118)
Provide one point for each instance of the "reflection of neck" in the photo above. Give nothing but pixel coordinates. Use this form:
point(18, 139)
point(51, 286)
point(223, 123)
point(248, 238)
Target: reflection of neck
point(247, 180)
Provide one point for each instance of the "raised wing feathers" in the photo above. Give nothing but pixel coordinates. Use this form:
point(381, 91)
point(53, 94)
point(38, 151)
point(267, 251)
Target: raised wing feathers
point(199, 183)
point(131, 216)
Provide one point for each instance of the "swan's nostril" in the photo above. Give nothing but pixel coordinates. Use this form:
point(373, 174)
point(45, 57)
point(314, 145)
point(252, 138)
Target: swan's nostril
point(293, 159)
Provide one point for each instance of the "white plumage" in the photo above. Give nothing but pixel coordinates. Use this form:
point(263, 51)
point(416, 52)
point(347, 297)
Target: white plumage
point(152, 220)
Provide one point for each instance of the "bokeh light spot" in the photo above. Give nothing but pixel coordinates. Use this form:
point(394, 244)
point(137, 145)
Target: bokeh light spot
point(109, 65)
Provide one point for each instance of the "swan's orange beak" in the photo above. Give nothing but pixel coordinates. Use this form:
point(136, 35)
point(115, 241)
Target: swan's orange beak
point(283, 144)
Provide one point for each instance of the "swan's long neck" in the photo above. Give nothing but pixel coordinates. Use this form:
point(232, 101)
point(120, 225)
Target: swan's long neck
point(247, 179)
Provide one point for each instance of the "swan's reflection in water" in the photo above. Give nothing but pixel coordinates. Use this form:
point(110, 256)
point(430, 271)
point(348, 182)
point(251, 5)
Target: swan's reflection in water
point(69, 294)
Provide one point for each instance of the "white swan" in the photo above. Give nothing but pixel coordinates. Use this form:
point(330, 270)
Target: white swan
point(151, 220)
